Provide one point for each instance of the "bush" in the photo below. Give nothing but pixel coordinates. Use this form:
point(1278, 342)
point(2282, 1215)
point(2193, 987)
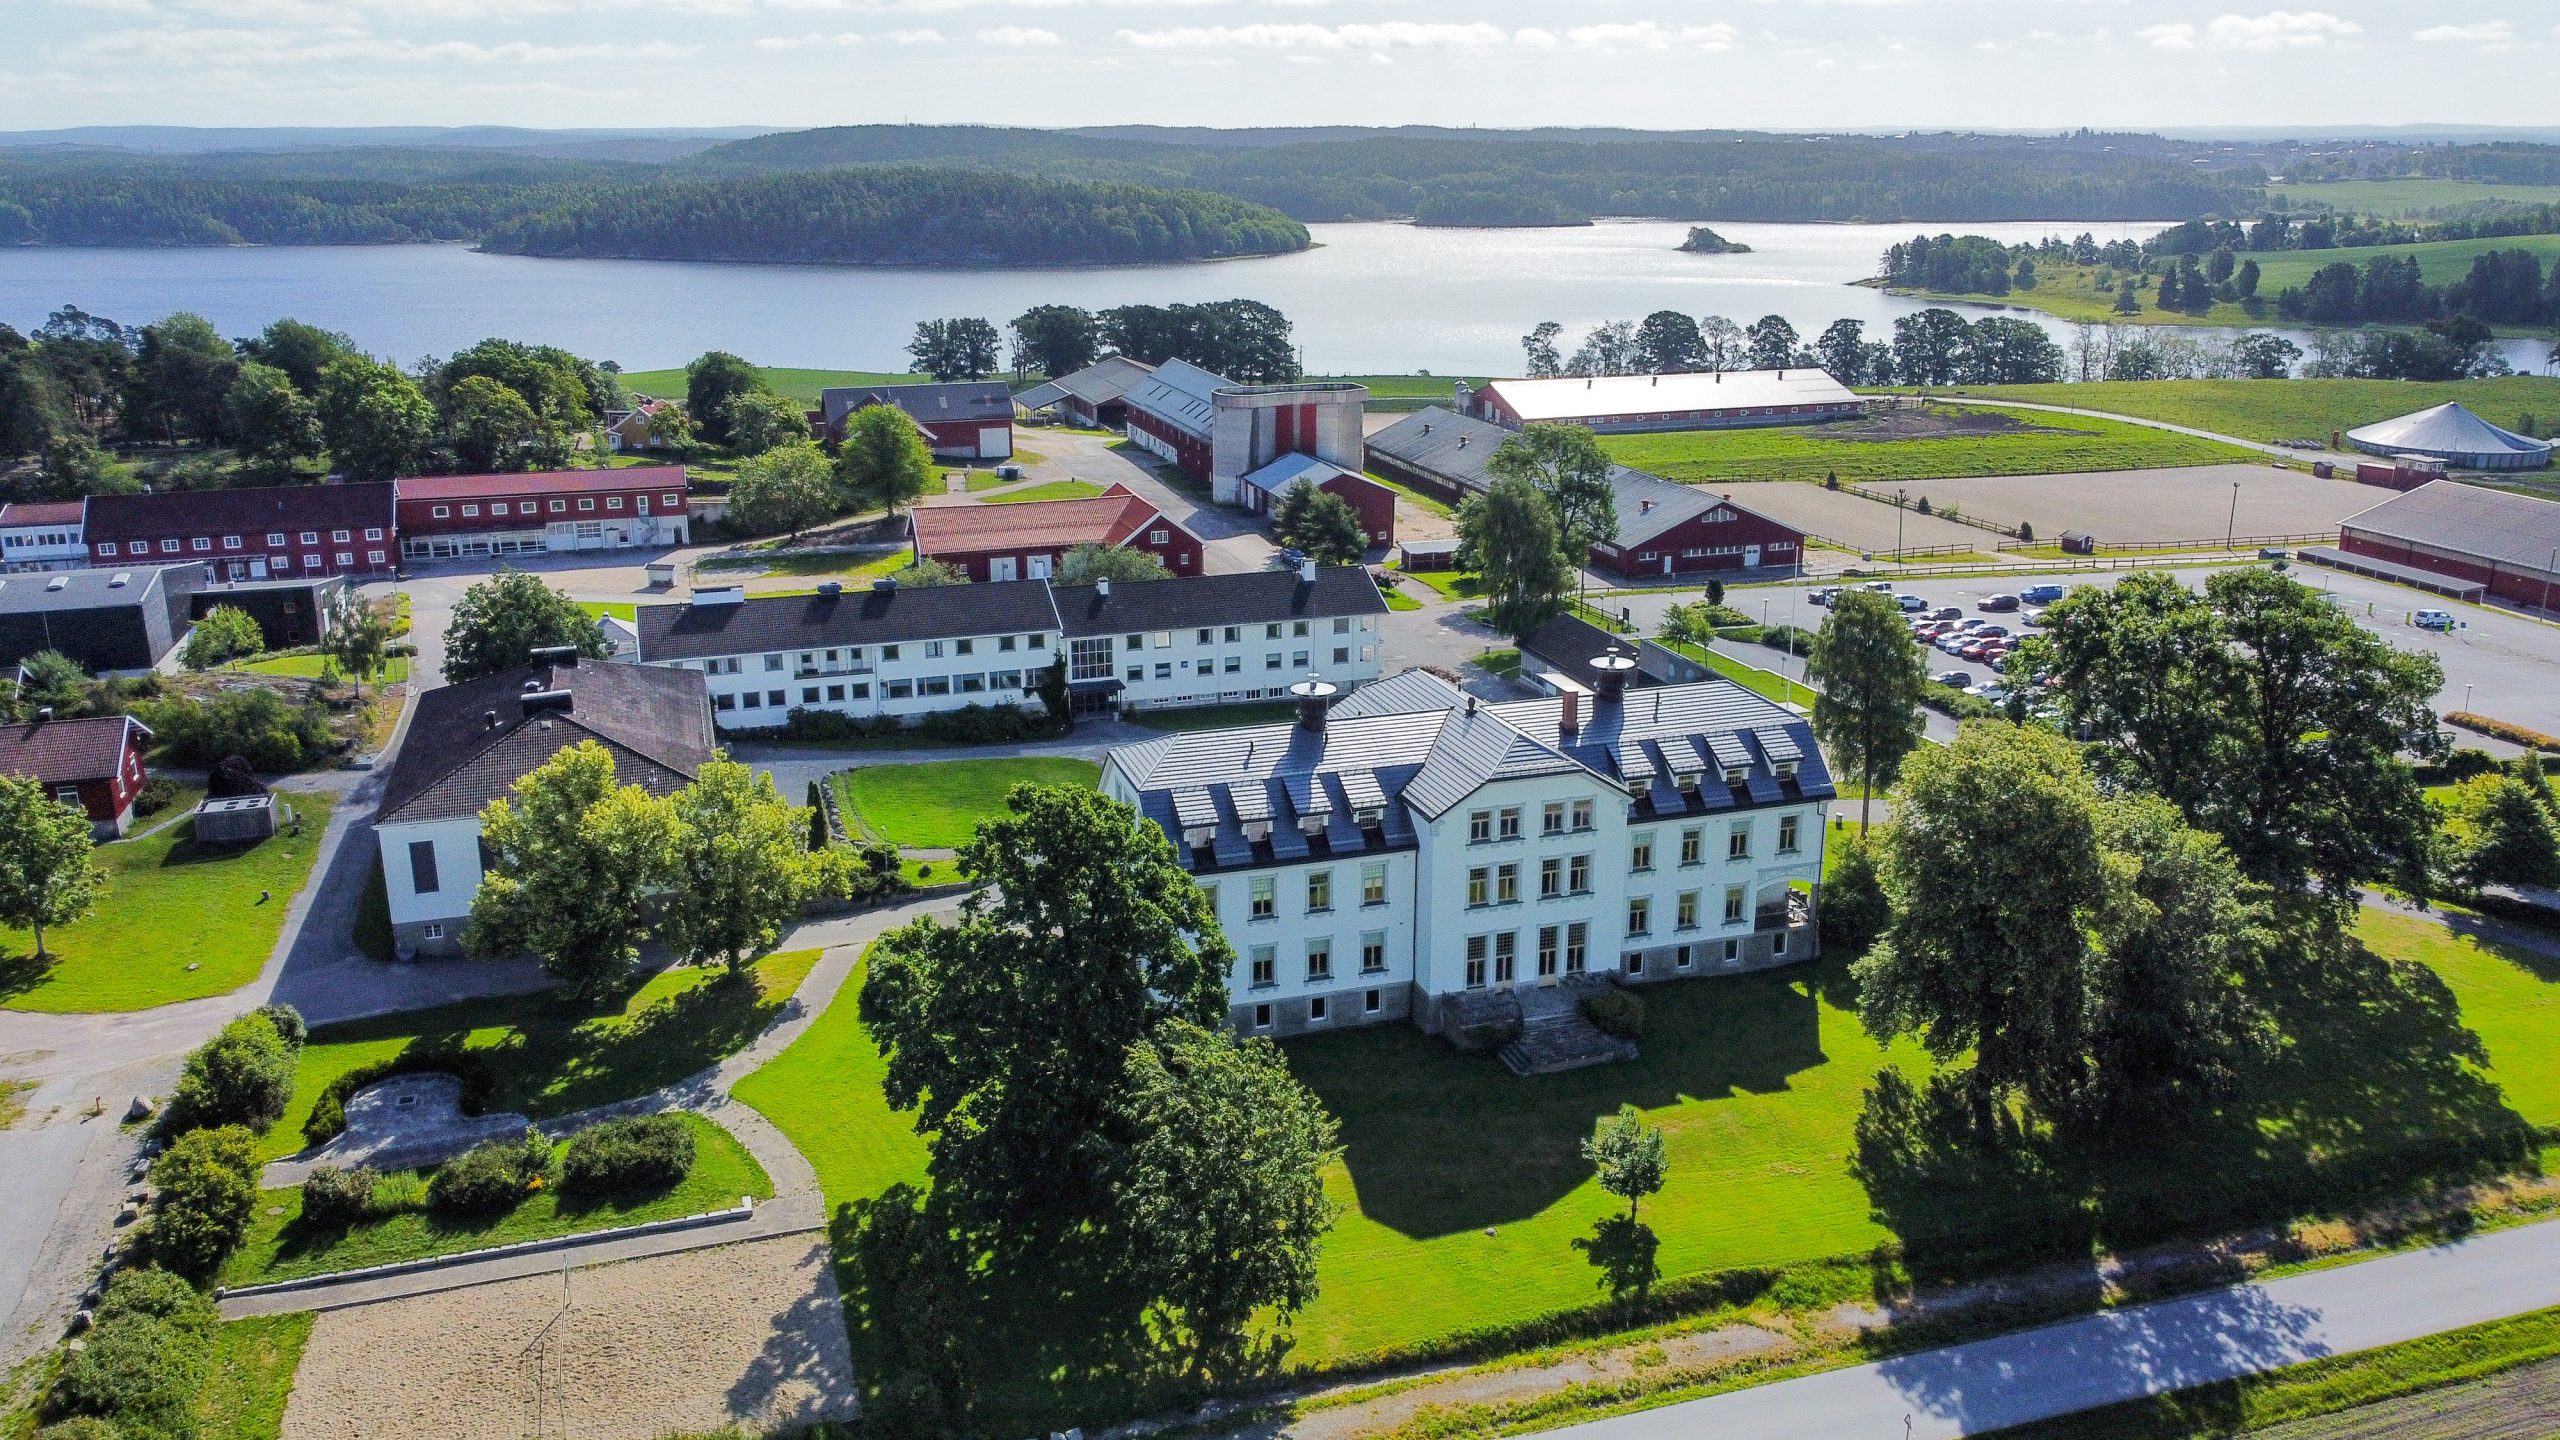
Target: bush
point(157, 794)
point(870, 872)
point(157, 1294)
point(2457, 766)
point(255, 722)
point(1947, 700)
point(242, 1076)
point(644, 1152)
point(968, 725)
point(335, 1197)
point(493, 1178)
point(288, 1022)
point(1794, 639)
point(1615, 1011)
point(2503, 730)
point(80, 1427)
point(1854, 909)
point(206, 1187)
point(144, 1361)
point(329, 1112)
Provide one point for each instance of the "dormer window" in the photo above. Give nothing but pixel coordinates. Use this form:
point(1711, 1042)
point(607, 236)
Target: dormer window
point(1257, 831)
point(1198, 836)
point(1368, 817)
point(1786, 769)
point(1687, 781)
point(1310, 824)
point(1733, 773)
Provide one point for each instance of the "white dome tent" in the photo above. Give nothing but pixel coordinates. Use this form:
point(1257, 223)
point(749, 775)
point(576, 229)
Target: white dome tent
point(2452, 434)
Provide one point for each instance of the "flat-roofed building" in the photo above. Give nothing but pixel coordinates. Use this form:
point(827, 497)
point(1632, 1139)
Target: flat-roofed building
point(452, 516)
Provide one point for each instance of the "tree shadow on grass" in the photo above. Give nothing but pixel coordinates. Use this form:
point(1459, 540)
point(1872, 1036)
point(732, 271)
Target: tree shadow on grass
point(22, 972)
point(1438, 1142)
point(1622, 1249)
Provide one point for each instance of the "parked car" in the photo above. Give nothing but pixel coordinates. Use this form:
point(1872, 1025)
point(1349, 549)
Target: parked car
point(1954, 641)
point(2434, 620)
point(2274, 552)
point(2031, 617)
point(1996, 603)
point(1823, 596)
point(2041, 594)
point(1974, 650)
point(1956, 679)
point(1946, 612)
point(1881, 587)
point(1992, 632)
point(1910, 604)
point(1293, 557)
point(1992, 693)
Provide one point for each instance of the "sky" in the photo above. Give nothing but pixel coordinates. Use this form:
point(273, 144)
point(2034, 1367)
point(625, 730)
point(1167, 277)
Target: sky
point(1746, 64)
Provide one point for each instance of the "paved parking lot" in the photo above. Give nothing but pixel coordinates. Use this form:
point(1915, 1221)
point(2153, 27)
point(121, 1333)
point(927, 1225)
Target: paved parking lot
point(2496, 663)
point(2143, 507)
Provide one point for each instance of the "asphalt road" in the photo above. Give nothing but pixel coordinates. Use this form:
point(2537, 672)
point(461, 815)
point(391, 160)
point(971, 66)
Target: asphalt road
point(2498, 662)
point(2127, 1354)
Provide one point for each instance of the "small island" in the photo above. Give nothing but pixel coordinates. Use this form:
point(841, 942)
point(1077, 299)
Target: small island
point(1703, 241)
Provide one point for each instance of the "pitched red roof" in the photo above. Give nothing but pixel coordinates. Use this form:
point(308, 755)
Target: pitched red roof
point(1109, 518)
point(542, 482)
point(61, 752)
point(40, 512)
point(213, 512)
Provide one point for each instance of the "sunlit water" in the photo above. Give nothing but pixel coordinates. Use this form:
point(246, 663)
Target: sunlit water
point(1370, 298)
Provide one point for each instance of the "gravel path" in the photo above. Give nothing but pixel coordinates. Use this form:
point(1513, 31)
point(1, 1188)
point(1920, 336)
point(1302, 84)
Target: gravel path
point(743, 1335)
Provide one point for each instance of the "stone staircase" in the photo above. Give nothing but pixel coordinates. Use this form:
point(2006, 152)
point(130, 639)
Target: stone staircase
point(1555, 1036)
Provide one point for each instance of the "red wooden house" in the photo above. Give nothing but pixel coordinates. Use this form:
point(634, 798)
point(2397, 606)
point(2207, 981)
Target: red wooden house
point(1026, 540)
point(93, 764)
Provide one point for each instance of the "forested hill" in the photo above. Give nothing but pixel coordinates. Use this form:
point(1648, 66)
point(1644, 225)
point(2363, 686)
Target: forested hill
point(901, 215)
point(1743, 177)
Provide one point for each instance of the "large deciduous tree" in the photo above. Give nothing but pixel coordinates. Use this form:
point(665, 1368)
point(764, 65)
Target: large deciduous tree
point(762, 421)
point(1771, 343)
point(1320, 523)
point(575, 865)
point(358, 641)
point(785, 490)
point(377, 422)
point(275, 427)
point(714, 382)
point(180, 375)
point(959, 349)
point(1008, 1032)
point(1568, 467)
point(492, 426)
point(1667, 343)
point(1509, 536)
point(1871, 678)
point(1084, 564)
point(48, 873)
point(1055, 340)
point(882, 462)
point(742, 866)
point(499, 623)
point(226, 633)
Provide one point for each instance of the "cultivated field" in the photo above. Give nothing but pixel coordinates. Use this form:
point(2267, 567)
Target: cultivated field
point(1914, 444)
point(1844, 519)
point(2272, 410)
point(800, 385)
point(746, 1335)
point(2140, 507)
point(2412, 196)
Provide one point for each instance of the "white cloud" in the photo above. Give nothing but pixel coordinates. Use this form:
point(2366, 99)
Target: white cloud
point(2275, 30)
point(1650, 35)
point(1393, 35)
point(811, 40)
point(188, 47)
point(915, 37)
point(1016, 35)
point(2486, 32)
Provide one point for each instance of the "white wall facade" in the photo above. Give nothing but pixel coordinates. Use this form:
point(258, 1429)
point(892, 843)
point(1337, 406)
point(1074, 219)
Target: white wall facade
point(429, 922)
point(42, 547)
point(1224, 664)
point(1248, 431)
point(905, 679)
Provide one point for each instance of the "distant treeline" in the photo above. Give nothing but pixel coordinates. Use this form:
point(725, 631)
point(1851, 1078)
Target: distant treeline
point(2503, 287)
point(905, 215)
point(2341, 232)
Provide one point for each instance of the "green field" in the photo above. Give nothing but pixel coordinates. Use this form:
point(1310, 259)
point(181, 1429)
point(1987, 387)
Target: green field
point(1405, 387)
point(626, 610)
point(1768, 684)
point(253, 1365)
point(939, 806)
point(280, 1247)
point(812, 565)
point(2271, 410)
point(176, 921)
point(1217, 717)
point(1046, 490)
point(2069, 291)
point(2054, 445)
point(548, 1056)
point(1452, 1224)
point(2410, 196)
point(1396, 598)
point(800, 385)
point(395, 669)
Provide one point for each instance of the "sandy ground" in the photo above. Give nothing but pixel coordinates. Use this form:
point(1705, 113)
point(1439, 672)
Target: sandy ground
point(2131, 507)
point(747, 1335)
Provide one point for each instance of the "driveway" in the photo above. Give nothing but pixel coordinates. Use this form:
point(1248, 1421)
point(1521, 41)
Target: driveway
point(2130, 1353)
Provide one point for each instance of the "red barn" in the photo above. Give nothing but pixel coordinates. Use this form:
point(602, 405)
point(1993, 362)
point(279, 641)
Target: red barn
point(1374, 503)
point(92, 764)
point(1628, 403)
point(1026, 540)
point(959, 419)
point(278, 532)
point(2467, 534)
point(445, 516)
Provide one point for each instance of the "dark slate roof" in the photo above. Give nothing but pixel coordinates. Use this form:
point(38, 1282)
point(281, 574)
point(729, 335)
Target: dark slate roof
point(1414, 742)
point(1180, 394)
point(691, 631)
point(455, 760)
point(1099, 383)
point(929, 403)
point(1569, 643)
point(41, 590)
point(2493, 526)
point(290, 508)
point(1455, 447)
point(1250, 599)
point(61, 752)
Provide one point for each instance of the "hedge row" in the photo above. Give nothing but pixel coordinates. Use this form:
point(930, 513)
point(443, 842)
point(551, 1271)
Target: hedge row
point(2497, 729)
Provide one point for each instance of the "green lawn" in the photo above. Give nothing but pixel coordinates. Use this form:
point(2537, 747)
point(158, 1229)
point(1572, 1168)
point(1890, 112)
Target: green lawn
point(280, 1246)
point(836, 566)
point(628, 610)
point(982, 480)
point(2055, 444)
point(1428, 504)
point(2272, 410)
point(252, 1378)
point(1217, 717)
point(800, 385)
point(548, 1056)
point(1396, 598)
point(2412, 195)
point(1047, 490)
point(169, 904)
point(1451, 584)
point(1768, 684)
point(2339, 1386)
point(1406, 387)
point(825, 1093)
point(395, 669)
point(1504, 662)
point(938, 806)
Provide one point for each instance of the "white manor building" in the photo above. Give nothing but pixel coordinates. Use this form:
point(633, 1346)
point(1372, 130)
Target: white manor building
point(1412, 850)
point(908, 651)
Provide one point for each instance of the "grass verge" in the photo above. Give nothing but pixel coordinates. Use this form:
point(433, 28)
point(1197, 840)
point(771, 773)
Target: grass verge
point(178, 920)
point(314, 666)
point(253, 1365)
point(1046, 490)
point(2273, 410)
point(280, 1246)
point(939, 806)
point(1767, 684)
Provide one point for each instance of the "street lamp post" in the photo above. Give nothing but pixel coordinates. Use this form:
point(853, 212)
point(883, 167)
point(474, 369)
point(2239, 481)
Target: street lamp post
point(1899, 496)
point(2231, 527)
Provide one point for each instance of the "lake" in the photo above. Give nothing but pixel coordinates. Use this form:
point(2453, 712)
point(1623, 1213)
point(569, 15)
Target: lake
point(1371, 298)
